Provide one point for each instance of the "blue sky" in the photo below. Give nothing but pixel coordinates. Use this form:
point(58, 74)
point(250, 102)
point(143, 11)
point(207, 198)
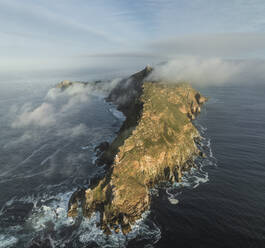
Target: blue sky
point(78, 34)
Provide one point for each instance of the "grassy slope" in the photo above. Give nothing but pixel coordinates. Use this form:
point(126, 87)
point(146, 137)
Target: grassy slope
point(156, 149)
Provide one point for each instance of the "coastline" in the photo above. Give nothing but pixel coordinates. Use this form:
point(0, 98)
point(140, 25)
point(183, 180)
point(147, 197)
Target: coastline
point(137, 160)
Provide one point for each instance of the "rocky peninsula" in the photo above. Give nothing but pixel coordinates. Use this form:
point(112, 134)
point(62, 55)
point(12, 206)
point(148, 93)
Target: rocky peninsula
point(156, 143)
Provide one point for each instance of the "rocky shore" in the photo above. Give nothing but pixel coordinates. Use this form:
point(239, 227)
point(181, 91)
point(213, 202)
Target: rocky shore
point(156, 143)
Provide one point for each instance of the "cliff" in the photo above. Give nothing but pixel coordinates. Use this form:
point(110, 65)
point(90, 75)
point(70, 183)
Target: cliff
point(156, 143)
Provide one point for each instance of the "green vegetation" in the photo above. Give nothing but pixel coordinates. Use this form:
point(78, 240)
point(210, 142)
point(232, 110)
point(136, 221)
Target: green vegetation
point(153, 145)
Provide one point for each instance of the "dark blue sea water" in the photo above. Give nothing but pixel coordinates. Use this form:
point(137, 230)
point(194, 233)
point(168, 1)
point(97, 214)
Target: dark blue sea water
point(228, 210)
point(47, 142)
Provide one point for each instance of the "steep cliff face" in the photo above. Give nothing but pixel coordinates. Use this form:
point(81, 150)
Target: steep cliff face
point(155, 144)
point(127, 97)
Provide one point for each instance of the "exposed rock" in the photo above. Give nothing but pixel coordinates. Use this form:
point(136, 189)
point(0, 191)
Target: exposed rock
point(67, 83)
point(202, 154)
point(155, 144)
point(101, 148)
point(129, 90)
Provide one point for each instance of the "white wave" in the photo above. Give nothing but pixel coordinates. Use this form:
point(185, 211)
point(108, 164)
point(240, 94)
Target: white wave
point(198, 180)
point(172, 197)
point(211, 153)
point(173, 201)
point(201, 128)
point(89, 231)
point(211, 158)
point(47, 214)
point(85, 147)
point(116, 113)
point(206, 143)
point(191, 179)
point(49, 209)
point(55, 212)
point(196, 176)
point(94, 158)
point(52, 242)
point(10, 202)
point(7, 241)
point(142, 231)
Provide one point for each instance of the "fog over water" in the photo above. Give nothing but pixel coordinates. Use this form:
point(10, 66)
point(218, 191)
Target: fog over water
point(47, 151)
point(201, 71)
point(48, 136)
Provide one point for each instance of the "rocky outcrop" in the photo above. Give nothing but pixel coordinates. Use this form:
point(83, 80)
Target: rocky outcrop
point(67, 83)
point(155, 144)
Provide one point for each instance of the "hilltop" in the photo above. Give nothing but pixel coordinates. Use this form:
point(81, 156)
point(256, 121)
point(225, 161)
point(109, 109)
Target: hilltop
point(156, 143)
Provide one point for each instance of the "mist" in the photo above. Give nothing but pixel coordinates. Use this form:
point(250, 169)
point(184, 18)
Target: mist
point(210, 71)
point(57, 113)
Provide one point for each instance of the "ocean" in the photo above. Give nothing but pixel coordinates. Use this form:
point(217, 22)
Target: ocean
point(47, 152)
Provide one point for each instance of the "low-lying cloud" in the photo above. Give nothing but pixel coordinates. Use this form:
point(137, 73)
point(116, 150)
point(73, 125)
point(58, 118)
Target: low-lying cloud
point(44, 115)
point(58, 104)
point(196, 70)
point(210, 71)
point(78, 130)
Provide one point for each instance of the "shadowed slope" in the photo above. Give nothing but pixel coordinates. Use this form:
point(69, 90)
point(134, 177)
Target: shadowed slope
point(155, 144)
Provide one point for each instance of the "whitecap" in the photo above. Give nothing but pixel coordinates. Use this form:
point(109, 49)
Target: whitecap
point(115, 112)
point(84, 147)
point(55, 212)
point(7, 241)
point(173, 201)
point(118, 114)
point(90, 232)
point(198, 180)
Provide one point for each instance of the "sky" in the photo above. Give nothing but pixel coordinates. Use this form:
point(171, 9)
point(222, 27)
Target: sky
point(114, 35)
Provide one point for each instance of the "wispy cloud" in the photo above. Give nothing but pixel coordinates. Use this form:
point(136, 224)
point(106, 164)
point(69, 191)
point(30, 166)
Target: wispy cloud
point(44, 115)
point(75, 131)
point(46, 35)
point(58, 104)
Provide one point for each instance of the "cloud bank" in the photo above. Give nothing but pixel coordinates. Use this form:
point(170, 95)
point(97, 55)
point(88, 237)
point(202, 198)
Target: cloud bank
point(44, 115)
point(58, 105)
point(210, 71)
